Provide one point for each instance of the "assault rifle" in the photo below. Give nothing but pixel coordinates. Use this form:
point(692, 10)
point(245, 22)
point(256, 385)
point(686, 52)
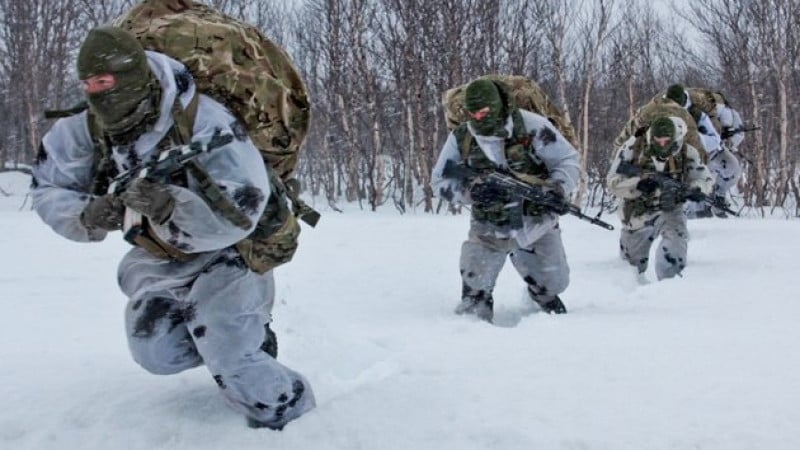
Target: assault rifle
point(730, 132)
point(667, 183)
point(168, 163)
point(522, 191)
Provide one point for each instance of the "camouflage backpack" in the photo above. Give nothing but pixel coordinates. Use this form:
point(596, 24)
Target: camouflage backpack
point(236, 65)
point(657, 107)
point(525, 93)
point(706, 101)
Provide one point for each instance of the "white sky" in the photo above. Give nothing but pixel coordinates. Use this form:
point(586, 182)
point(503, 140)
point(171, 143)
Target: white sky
point(708, 361)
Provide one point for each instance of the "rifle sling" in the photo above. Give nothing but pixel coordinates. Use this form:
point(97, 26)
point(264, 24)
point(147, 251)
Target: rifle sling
point(209, 191)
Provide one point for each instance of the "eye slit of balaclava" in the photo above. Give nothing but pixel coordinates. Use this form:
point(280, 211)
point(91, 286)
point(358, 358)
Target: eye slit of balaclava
point(132, 104)
point(478, 96)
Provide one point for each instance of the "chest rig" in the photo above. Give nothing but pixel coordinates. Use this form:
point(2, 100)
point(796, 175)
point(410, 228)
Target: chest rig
point(521, 158)
point(674, 167)
point(105, 169)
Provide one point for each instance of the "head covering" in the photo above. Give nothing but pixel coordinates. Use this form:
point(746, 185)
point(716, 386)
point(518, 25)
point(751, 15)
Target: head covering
point(132, 103)
point(677, 93)
point(480, 94)
point(662, 131)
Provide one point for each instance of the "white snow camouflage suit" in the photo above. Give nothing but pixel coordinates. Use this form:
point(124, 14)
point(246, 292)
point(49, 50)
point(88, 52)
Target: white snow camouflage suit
point(210, 311)
point(535, 248)
point(642, 218)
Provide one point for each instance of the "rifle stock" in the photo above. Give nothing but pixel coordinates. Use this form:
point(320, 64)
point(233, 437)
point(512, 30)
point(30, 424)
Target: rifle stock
point(522, 191)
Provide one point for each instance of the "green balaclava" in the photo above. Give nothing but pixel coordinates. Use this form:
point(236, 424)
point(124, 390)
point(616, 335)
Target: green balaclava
point(132, 104)
point(660, 128)
point(677, 93)
point(484, 93)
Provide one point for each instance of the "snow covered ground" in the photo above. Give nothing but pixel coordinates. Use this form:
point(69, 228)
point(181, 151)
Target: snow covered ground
point(707, 361)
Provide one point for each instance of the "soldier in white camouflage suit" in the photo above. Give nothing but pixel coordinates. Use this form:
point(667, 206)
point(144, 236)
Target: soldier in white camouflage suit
point(724, 163)
point(499, 136)
point(650, 208)
point(192, 299)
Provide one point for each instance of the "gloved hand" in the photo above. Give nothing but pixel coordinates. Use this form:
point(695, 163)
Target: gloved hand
point(105, 212)
point(647, 185)
point(556, 199)
point(668, 199)
point(695, 194)
point(486, 193)
point(149, 199)
point(727, 132)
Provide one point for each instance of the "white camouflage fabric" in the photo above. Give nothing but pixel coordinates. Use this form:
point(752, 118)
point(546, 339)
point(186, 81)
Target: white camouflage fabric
point(536, 249)
point(641, 230)
point(723, 163)
point(211, 310)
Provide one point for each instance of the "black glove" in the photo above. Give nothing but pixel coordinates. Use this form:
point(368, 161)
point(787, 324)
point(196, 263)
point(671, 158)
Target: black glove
point(695, 194)
point(556, 200)
point(149, 199)
point(647, 185)
point(486, 193)
point(105, 212)
point(727, 132)
point(668, 199)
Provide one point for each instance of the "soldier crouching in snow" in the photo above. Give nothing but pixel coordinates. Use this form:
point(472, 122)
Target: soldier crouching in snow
point(500, 137)
point(653, 173)
point(192, 299)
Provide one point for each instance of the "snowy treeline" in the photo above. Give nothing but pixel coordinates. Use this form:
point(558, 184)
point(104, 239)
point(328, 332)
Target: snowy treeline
point(377, 69)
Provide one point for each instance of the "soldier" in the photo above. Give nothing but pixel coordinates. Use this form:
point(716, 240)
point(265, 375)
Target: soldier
point(500, 137)
point(709, 136)
point(654, 174)
point(723, 163)
point(192, 299)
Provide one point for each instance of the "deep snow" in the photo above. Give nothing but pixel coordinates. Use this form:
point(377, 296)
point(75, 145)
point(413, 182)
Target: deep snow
point(706, 361)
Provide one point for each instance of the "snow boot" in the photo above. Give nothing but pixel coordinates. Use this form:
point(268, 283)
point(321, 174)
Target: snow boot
point(480, 305)
point(551, 304)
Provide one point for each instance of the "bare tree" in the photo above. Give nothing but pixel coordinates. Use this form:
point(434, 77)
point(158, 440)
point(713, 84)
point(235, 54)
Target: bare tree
point(596, 28)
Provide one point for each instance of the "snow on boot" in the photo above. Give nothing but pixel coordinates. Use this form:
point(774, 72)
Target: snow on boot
point(481, 306)
point(554, 306)
point(551, 304)
point(253, 423)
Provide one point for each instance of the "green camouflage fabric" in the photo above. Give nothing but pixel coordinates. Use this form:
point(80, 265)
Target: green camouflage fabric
point(704, 100)
point(524, 93)
point(707, 100)
point(520, 163)
point(236, 65)
point(275, 238)
point(659, 107)
point(675, 166)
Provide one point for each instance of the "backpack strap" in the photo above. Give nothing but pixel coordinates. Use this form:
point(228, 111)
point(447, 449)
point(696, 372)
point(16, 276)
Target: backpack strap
point(184, 123)
point(521, 137)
